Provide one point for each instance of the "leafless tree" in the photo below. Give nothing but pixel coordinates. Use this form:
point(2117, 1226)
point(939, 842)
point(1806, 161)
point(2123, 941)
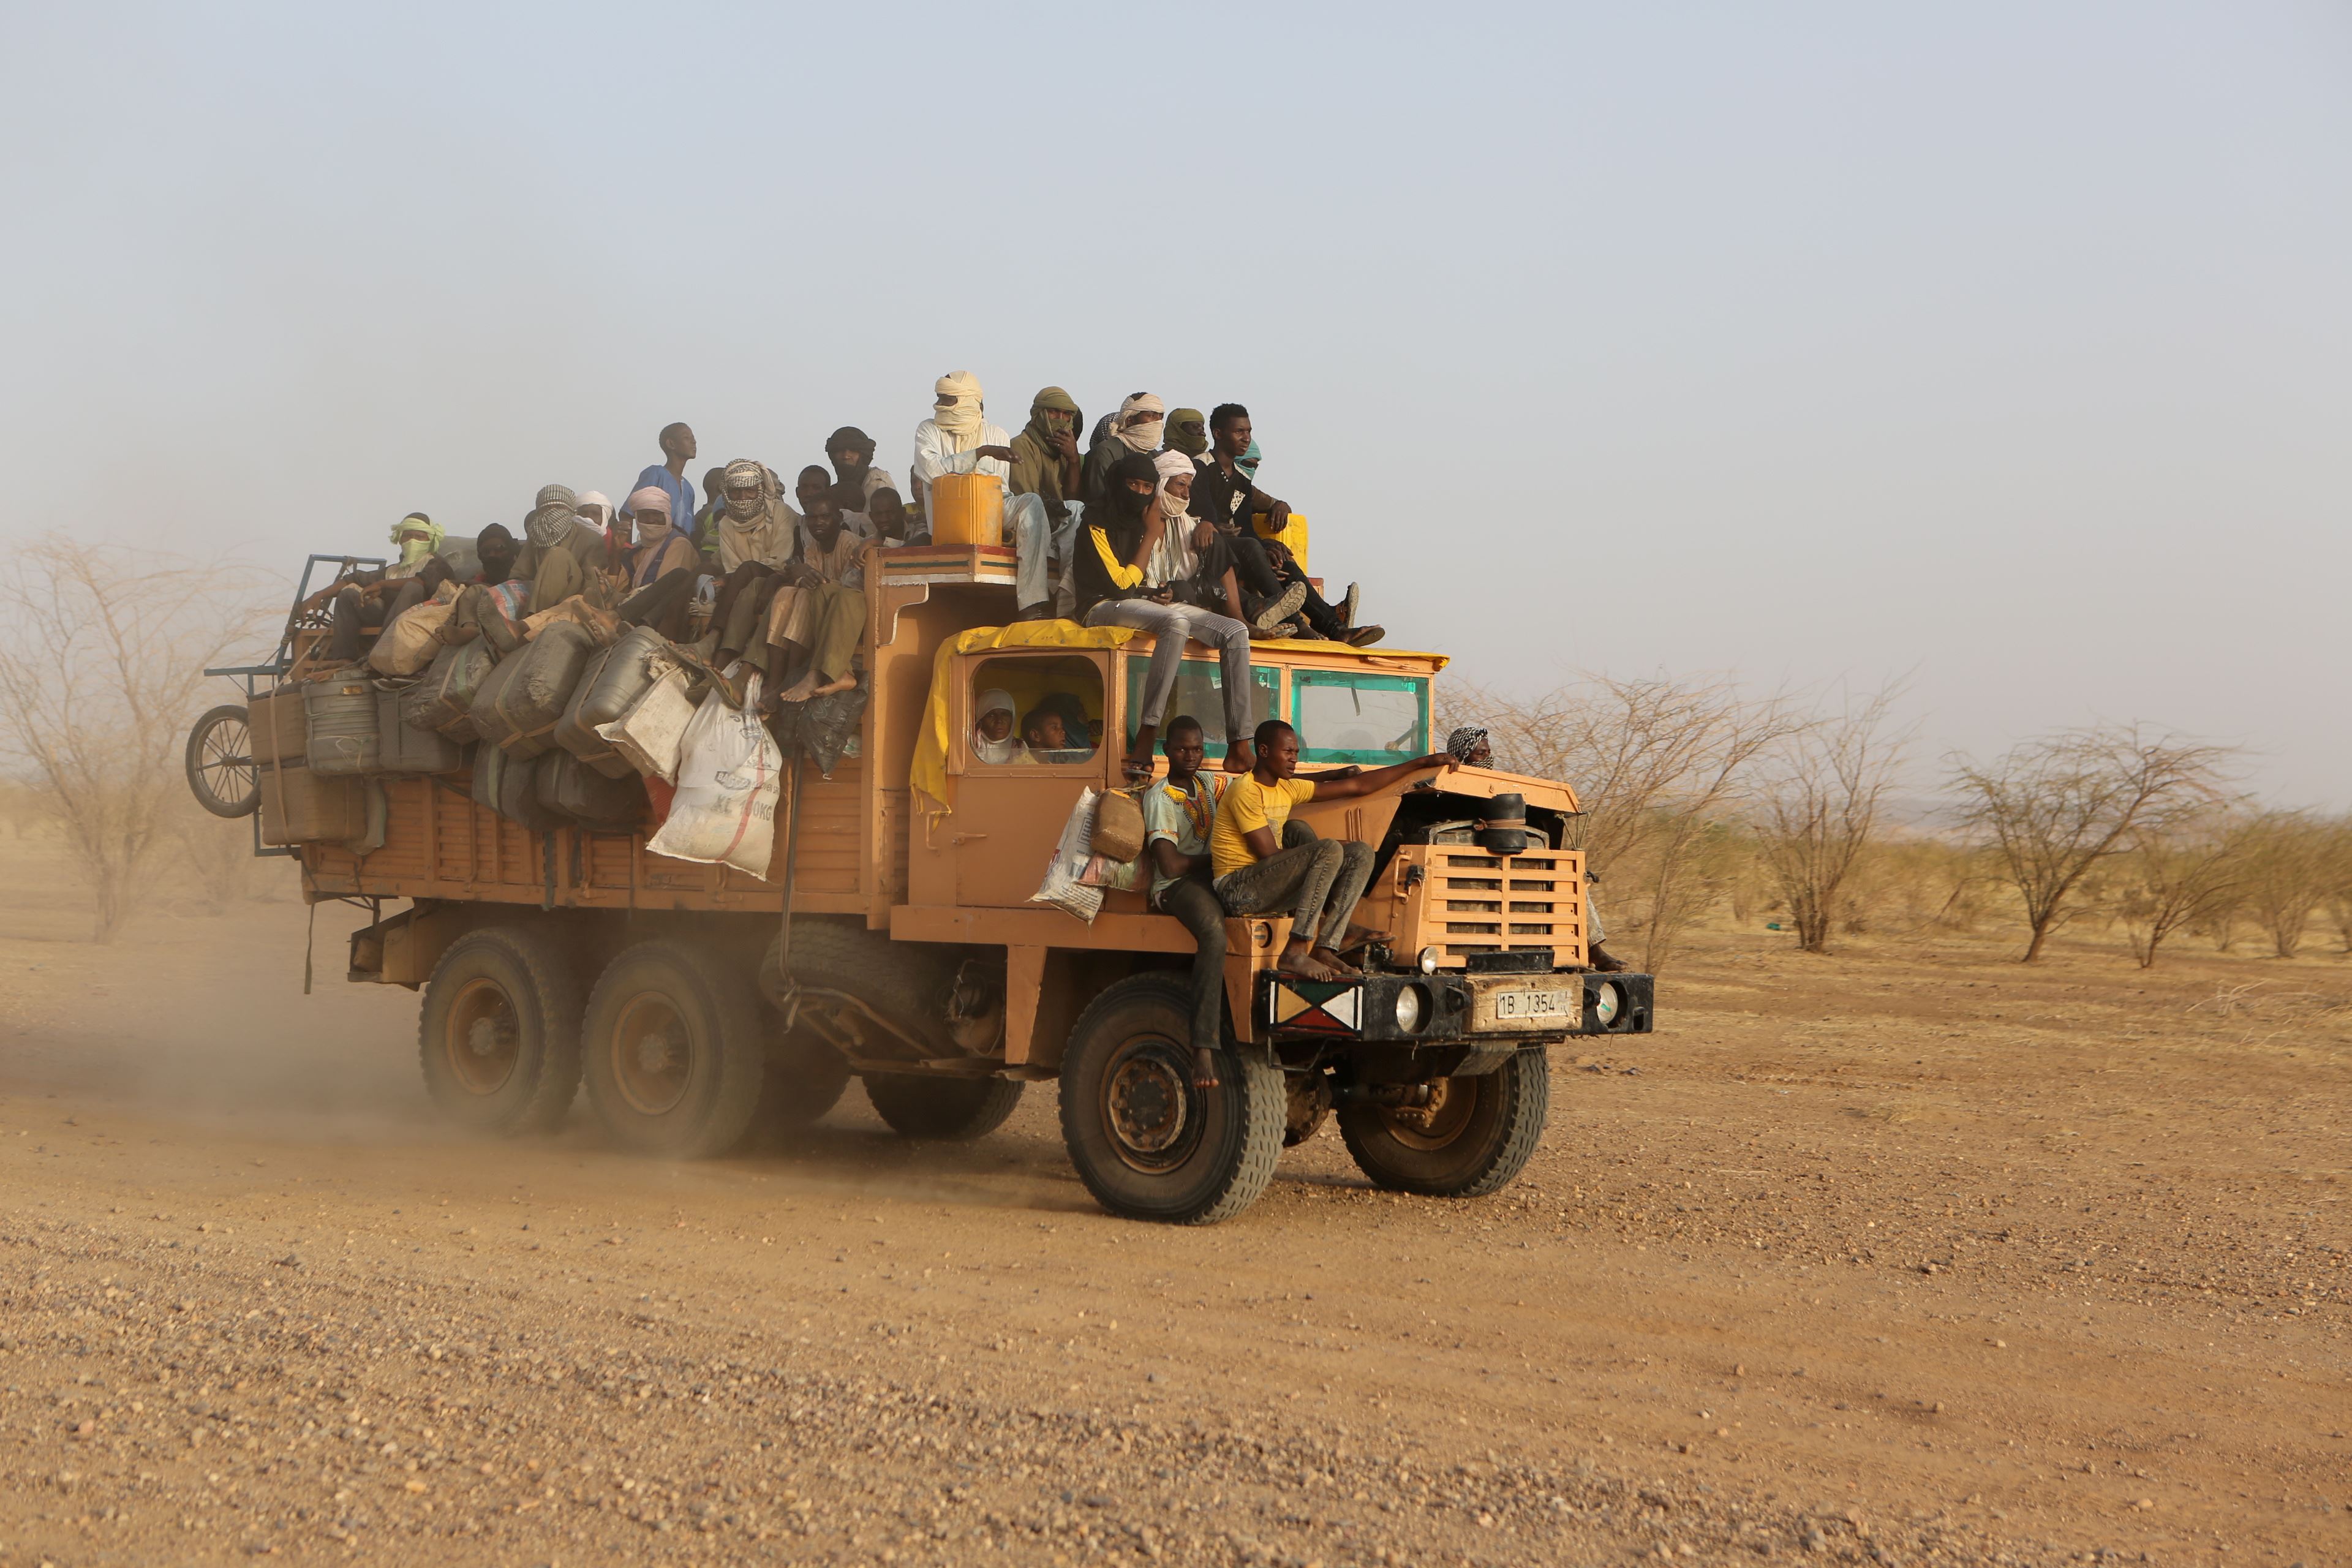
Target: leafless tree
point(2178, 873)
point(2288, 857)
point(1655, 765)
point(102, 668)
point(2053, 808)
point(1817, 800)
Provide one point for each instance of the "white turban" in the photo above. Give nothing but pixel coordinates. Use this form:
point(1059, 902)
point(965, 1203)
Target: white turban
point(986, 750)
point(959, 421)
point(1144, 436)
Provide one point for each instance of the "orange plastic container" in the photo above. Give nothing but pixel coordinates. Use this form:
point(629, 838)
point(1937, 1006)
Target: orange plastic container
point(967, 509)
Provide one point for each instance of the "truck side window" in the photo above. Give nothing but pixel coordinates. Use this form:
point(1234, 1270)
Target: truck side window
point(1035, 710)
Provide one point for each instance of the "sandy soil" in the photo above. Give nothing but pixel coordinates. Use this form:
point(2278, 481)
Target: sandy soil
point(1904, 1255)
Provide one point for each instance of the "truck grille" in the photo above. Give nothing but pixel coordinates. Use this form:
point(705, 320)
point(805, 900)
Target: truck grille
point(1491, 904)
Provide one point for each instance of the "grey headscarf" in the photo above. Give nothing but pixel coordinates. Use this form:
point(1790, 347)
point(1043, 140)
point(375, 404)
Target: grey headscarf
point(552, 516)
point(1463, 741)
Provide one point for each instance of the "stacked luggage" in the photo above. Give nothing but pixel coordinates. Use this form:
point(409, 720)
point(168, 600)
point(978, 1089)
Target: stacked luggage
point(561, 733)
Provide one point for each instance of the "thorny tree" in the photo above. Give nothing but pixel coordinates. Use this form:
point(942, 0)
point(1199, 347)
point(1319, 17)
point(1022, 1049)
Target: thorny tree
point(2178, 873)
point(1818, 795)
point(1656, 765)
point(102, 668)
point(2052, 808)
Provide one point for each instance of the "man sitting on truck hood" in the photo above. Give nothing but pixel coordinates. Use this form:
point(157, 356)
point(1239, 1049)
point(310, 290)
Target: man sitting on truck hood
point(1180, 813)
point(1267, 864)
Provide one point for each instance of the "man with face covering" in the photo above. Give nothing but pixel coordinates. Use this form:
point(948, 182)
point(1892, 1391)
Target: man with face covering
point(564, 554)
point(367, 600)
point(1116, 551)
point(661, 569)
point(1134, 431)
point(1188, 432)
point(758, 534)
point(851, 452)
point(1044, 505)
point(958, 439)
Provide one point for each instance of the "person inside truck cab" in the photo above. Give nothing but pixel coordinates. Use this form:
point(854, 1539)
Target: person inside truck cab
point(1114, 554)
point(1267, 864)
point(993, 739)
point(1180, 812)
point(1046, 738)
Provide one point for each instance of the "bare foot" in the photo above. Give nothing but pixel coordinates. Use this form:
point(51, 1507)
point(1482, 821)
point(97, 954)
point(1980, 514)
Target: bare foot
point(846, 683)
point(1136, 769)
point(1359, 935)
point(800, 690)
point(1338, 965)
point(1205, 1067)
point(1300, 963)
point(1241, 757)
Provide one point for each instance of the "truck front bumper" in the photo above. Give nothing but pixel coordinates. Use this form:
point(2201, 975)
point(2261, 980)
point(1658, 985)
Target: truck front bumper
point(1452, 1009)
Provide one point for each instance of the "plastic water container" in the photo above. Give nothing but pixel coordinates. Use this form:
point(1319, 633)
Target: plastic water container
point(967, 509)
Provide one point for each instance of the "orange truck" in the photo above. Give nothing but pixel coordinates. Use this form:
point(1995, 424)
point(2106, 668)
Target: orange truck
point(697, 1015)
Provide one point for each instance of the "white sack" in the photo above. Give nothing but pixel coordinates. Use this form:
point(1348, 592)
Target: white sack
point(1062, 887)
point(730, 772)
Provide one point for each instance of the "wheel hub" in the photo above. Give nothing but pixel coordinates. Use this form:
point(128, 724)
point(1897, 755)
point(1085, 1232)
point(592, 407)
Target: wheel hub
point(484, 1039)
point(653, 1055)
point(1147, 1104)
point(1437, 1122)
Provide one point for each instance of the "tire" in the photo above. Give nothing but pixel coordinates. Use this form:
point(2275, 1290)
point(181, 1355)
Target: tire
point(944, 1110)
point(1476, 1135)
point(1147, 1144)
point(907, 982)
point(498, 1034)
point(805, 1079)
point(674, 1051)
point(222, 772)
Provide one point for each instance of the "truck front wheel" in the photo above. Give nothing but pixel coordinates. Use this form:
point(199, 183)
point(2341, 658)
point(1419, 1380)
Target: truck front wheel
point(1146, 1143)
point(1471, 1139)
point(673, 1051)
point(948, 1110)
point(498, 1036)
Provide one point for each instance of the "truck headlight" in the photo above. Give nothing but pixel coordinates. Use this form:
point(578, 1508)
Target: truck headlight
point(1606, 1001)
point(1428, 961)
point(1412, 1009)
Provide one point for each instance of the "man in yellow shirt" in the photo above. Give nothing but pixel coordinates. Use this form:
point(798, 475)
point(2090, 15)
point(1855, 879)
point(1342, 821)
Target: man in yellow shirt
point(1264, 864)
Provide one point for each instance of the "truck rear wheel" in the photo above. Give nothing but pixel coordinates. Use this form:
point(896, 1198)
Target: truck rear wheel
point(805, 1079)
point(673, 1051)
point(1472, 1137)
point(1146, 1143)
point(498, 1034)
point(948, 1109)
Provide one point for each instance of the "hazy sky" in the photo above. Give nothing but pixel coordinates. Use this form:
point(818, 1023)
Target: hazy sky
point(2008, 344)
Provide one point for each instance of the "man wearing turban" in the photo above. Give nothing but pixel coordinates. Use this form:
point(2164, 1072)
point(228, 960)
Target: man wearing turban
point(958, 439)
point(1045, 504)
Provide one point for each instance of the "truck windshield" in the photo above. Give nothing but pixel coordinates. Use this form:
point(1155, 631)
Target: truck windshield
point(1374, 720)
point(1201, 692)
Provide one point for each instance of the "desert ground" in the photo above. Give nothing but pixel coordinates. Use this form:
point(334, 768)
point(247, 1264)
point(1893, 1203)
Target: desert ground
point(1908, 1255)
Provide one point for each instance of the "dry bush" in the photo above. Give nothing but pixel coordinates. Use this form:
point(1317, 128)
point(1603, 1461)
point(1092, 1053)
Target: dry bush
point(1817, 798)
point(1909, 884)
point(2176, 874)
point(2287, 860)
point(2053, 808)
point(2340, 881)
point(1656, 764)
point(216, 853)
point(102, 669)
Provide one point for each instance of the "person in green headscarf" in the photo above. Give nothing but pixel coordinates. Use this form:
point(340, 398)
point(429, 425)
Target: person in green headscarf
point(1188, 432)
point(1041, 509)
point(367, 600)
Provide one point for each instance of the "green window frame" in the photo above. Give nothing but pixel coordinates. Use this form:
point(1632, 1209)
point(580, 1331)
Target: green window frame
point(1304, 682)
point(1201, 692)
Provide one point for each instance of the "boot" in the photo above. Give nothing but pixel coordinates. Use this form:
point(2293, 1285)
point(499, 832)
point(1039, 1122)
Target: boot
point(1347, 606)
point(1270, 612)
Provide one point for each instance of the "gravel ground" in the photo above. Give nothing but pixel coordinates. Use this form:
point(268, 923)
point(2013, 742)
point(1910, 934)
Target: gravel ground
point(1901, 1256)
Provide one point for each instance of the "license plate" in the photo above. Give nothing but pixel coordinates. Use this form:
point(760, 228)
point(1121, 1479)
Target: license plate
point(1526, 1009)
